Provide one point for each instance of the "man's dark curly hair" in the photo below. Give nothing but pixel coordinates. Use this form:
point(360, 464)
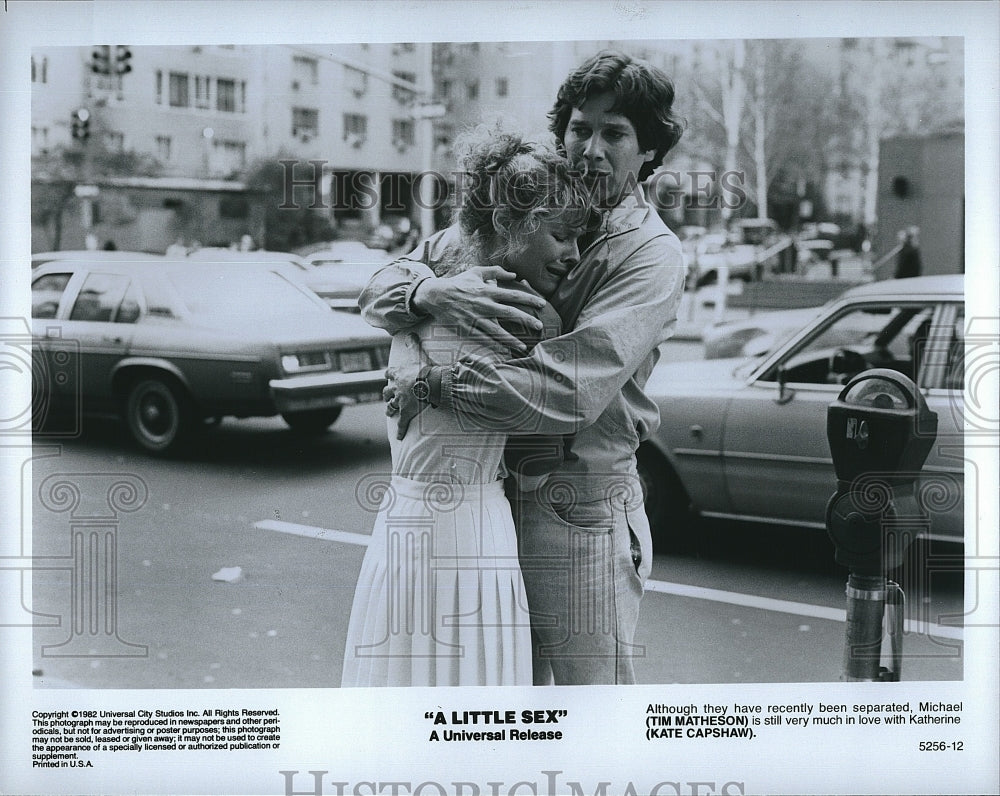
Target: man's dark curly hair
point(643, 94)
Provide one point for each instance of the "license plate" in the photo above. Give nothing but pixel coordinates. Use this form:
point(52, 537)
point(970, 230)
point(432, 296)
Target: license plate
point(353, 361)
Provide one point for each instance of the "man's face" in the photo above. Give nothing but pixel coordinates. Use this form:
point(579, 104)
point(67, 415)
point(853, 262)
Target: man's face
point(605, 146)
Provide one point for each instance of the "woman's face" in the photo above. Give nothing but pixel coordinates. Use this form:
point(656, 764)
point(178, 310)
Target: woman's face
point(548, 253)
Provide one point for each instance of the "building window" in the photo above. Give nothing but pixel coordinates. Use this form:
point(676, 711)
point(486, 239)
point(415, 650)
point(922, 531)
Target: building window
point(444, 135)
point(305, 71)
point(163, 144)
point(114, 140)
point(402, 133)
point(472, 90)
point(202, 85)
point(356, 81)
point(39, 138)
point(401, 94)
point(179, 90)
point(158, 87)
point(228, 156)
point(305, 122)
point(444, 89)
point(39, 70)
point(230, 96)
point(355, 128)
point(502, 87)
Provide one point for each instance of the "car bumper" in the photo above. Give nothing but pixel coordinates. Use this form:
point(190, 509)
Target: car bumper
point(327, 390)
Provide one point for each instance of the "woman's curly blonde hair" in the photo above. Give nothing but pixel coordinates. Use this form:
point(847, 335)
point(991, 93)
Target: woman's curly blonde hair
point(511, 186)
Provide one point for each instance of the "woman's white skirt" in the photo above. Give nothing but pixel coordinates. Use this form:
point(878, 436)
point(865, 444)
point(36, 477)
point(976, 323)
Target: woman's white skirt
point(440, 600)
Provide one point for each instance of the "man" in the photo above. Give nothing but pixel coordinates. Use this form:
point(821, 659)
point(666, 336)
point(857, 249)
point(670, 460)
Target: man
point(584, 541)
point(908, 259)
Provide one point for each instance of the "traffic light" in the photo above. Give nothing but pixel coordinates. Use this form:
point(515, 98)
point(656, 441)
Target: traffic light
point(123, 57)
point(80, 124)
point(100, 60)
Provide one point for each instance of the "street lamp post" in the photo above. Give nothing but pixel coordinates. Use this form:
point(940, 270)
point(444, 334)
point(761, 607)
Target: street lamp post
point(425, 114)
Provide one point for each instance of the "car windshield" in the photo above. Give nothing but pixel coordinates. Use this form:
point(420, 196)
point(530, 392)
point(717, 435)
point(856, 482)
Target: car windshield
point(244, 293)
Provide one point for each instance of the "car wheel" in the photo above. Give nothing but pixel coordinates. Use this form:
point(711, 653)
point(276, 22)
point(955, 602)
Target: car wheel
point(667, 504)
point(158, 415)
point(313, 421)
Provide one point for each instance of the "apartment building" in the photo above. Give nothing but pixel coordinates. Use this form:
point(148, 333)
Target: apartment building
point(206, 114)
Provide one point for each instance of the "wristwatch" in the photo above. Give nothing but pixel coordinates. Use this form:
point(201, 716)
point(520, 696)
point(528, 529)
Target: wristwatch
point(421, 389)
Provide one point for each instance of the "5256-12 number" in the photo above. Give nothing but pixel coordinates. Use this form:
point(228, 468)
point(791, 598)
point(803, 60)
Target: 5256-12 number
point(941, 746)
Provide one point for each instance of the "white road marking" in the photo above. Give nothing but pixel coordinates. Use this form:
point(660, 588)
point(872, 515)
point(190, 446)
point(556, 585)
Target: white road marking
point(659, 586)
point(313, 532)
point(788, 607)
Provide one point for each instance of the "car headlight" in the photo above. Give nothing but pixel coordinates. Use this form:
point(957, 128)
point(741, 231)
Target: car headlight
point(305, 362)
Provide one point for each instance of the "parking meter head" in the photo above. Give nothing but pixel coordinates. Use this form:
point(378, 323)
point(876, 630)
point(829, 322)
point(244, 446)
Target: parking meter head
point(881, 425)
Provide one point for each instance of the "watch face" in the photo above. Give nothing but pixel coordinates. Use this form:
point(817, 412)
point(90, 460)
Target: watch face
point(421, 390)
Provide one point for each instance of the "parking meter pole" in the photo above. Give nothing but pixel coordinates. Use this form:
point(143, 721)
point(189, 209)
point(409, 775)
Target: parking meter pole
point(880, 431)
point(866, 599)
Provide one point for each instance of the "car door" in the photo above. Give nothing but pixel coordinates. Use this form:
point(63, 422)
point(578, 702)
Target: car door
point(776, 456)
point(102, 320)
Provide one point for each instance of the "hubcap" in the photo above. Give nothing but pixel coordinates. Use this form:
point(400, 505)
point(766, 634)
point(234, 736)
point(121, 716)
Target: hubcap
point(155, 415)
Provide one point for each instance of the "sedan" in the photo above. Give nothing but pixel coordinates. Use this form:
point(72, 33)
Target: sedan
point(40, 258)
point(335, 276)
point(746, 439)
point(756, 335)
point(341, 271)
point(170, 344)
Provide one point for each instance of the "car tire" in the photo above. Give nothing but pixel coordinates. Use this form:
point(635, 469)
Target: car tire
point(158, 414)
point(313, 421)
point(667, 505)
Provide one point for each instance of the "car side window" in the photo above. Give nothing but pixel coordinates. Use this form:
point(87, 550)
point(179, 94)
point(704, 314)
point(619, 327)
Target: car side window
point(877, 335)
point(46, 292)
point(99, 297)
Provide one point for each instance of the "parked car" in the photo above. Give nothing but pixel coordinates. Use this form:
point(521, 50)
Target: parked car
point(342, 271)
point(338, 286)
point(347, 251)
point(756, 335)
point(170, 346)
point(393, 232)
point(714, 250)
point(116, 256)
point(746, 438)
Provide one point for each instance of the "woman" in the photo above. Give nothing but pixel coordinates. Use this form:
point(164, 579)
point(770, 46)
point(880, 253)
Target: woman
point(440, 600)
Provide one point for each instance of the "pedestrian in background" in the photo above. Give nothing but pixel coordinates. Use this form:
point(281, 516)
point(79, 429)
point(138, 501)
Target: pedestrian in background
point(908, 259)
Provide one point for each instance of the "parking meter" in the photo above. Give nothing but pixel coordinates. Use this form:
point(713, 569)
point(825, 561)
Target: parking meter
point(880, 431)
